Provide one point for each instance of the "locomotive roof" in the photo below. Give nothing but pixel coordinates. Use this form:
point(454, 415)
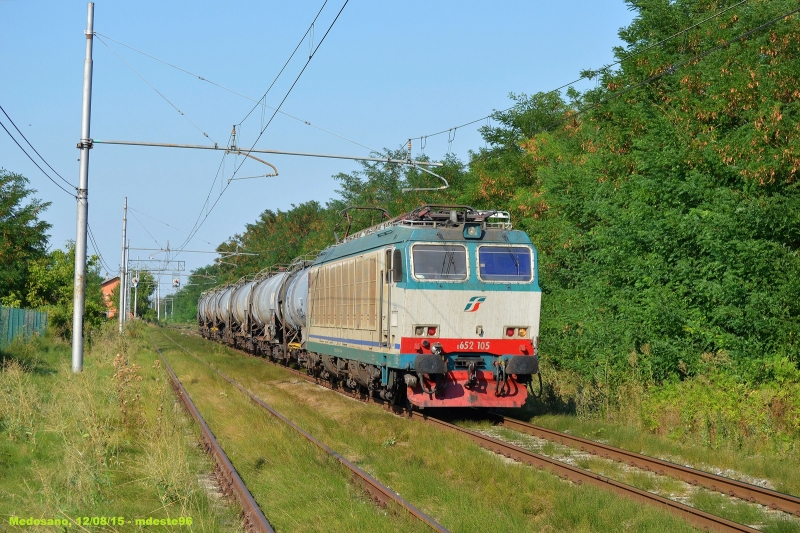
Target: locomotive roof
point(429, 223)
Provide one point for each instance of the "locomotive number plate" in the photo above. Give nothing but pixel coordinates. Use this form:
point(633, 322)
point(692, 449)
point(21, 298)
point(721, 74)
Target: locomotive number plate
point(472, 345)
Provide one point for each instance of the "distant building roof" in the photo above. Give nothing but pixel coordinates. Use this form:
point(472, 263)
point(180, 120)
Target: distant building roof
point(110, 281)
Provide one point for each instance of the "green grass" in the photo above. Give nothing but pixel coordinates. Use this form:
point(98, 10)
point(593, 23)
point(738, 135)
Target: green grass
point(782, 473)
point(110, 441)
point(715, 503)
point(298, 486)
point(463, 486)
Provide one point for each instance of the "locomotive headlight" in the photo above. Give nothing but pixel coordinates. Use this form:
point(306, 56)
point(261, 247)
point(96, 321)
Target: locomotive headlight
point(523, 332)
point(419, 331)
point(473, 230)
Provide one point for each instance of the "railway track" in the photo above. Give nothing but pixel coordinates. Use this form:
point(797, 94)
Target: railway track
point(254, 518)
point(731, 487)
point(382, 494)
point(696, 517)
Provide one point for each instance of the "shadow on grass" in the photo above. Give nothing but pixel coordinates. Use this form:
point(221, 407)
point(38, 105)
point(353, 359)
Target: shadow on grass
point(28, 355)
point(550, 402)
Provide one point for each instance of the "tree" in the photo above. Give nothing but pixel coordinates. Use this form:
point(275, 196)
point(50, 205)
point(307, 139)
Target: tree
point(50, 287)
point(23, 237)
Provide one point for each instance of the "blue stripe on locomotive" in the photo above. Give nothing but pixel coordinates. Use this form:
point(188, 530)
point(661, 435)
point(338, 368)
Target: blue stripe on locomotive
point(402, 237)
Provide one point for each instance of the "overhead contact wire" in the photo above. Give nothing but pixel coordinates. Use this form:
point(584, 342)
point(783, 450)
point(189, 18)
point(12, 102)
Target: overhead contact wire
point(145, 228)
point(310, 57)
point(271, 118)
point(97, 248)
point(165, 223)
point(157, 91)
point(202, 78)
point(35, 163)
point(605, 68)
point(35, 150)
point(671, 69)
point(302, 39)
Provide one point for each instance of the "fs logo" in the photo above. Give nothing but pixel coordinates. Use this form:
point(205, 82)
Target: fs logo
point(474, 303)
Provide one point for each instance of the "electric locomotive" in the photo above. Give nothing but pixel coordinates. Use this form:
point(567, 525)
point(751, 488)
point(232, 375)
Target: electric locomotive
point(438, 307)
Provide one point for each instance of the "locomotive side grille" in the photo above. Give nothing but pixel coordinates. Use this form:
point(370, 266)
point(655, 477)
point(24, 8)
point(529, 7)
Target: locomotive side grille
point(462, 363)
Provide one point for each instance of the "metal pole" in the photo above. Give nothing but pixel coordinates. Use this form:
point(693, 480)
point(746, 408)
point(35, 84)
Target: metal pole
point(122, 286)
point(136, 292)
point(158, 299)
point(79, 286)
point(127, 282)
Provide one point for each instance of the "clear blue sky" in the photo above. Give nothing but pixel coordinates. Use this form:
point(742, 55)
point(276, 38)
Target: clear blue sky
point(386, 72)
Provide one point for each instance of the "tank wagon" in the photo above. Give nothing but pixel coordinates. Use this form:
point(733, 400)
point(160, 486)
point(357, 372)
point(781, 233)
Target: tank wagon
point(438, 307)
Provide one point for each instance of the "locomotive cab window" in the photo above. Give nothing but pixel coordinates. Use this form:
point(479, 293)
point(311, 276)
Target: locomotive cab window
point(505, 263)
point(446, 262)
point(394, 265)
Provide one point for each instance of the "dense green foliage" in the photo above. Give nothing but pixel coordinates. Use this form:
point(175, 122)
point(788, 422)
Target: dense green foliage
point(30, 275)
point(23, 236)
point(50, 287)
point(666, 213)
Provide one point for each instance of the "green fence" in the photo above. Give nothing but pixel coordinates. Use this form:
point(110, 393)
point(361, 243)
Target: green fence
point(20, 323)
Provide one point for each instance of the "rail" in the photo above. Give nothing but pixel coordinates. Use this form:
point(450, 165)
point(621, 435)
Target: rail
point(752, 493)
point(253, 516)
point(381, 493)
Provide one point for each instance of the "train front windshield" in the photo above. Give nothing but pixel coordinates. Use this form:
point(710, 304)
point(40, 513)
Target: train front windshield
point(439, 262)
point(505, 263)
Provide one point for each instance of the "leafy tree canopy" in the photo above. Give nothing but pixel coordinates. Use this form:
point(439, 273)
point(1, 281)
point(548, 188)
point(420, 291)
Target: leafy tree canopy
point(23, 236)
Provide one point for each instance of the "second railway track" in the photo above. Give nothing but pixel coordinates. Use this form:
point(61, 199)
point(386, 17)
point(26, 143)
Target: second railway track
point(379, 492)
point(254, 519)
point(697, 517)
point(753, 493)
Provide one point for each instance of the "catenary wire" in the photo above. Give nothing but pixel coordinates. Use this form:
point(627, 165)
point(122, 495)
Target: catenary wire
point(310, 57)
point(201, 78)
point(303, 38)
point(156, 90)
point(34, 149)
point(591, 73)
point(145, 228)
point(97, 248)
point(35, 163)
point(674, 67)
point(165, 223)
point(208, 196)
point(205, 205)
point(88, 227)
